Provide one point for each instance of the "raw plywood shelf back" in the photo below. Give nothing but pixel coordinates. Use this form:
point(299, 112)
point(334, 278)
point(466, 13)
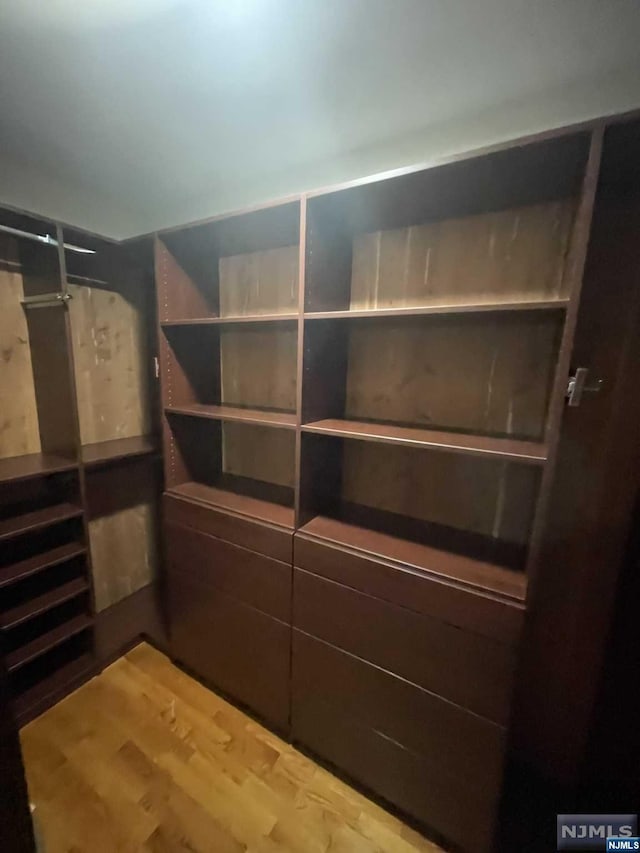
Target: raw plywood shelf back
point(528, 452)
point(468, 572)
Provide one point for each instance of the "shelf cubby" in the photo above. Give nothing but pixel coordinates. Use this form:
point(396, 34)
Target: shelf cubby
point(243, 467)
point(475, 510)
point(238, 267)
point(473, 384)
point(465, 236)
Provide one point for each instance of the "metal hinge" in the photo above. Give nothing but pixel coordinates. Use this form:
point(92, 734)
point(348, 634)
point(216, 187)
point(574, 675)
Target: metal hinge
point(156, 367)
point(577, 386)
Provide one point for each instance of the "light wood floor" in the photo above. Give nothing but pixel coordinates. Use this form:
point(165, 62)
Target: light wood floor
point(143, 758)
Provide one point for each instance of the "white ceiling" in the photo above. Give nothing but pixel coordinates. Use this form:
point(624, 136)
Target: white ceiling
point(123, 116)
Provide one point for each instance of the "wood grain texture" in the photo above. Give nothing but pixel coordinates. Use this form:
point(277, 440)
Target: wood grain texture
point(259, 282)
point(111, 361)
point(143, 758)
point(492, 498)
point(508, 254)
point(490, 374)
point(123, 531)
point(258, 367)
point(260, 453)
point(18, 413)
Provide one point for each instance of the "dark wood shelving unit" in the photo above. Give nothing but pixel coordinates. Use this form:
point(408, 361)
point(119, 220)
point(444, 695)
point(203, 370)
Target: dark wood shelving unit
point(71, 507)
point(116, 449)
point(284, 420)
point(43, 644)
point(39, 563)
point(41, 604)
point(52, 685)
point(38, 519)
point(261, 510)
point(34, 465)
point(474, 445)
point(443, 564)
point(391, 394)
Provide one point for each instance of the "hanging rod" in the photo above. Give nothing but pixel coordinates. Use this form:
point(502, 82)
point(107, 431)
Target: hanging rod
point(45, 238)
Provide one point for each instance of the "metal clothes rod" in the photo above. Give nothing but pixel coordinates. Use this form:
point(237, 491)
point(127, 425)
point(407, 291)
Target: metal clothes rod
point(45, 238)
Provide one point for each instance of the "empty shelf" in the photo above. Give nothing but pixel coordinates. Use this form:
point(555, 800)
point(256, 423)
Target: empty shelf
point(37, 520)
point(222, 321)
point(33, 465)
point(25, 654)
point(26, 568)
point(530, 452)
point(30, 609)
point(284, 420)
point(471, 572)
point(104, 452)
point(60, 679)
point(241, 504)
point(468, 308)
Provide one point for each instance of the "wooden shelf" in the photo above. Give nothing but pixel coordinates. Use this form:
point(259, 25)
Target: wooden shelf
point(465, 570)
point(262, 417)
point(254, 508)
point(426, 311)
point(117, 449)
point(529, 452)
point(37, 520)
point(33, 465)
point(25, 654)
point(30, 609)
point(60, 679)
point(26, 568)
point(231, 321)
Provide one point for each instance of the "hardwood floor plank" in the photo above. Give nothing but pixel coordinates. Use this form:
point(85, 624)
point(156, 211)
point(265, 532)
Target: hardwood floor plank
point(144, 758)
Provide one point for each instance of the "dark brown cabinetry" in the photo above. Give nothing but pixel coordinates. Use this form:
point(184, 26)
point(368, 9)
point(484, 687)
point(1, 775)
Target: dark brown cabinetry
point(363, 392)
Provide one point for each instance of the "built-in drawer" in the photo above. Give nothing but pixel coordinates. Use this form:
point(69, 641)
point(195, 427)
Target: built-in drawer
point(471, 670)
point(439, 764)
point(250, 577)
point(252, 534)
point(473, 610)
point(239, 649)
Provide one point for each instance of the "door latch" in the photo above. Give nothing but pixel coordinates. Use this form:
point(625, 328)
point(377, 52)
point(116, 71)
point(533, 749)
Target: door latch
point(577, 386)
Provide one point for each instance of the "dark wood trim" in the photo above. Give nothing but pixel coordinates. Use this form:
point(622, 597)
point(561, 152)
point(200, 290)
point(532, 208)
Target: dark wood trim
point(526, 452)
point(262, 417)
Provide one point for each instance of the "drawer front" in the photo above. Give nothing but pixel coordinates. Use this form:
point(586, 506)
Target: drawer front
point(472, 671)
point(260, 581)
point(420, 784)
point(238, 649)
point(254, 535)
point(411, 588)
point(456, 743)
